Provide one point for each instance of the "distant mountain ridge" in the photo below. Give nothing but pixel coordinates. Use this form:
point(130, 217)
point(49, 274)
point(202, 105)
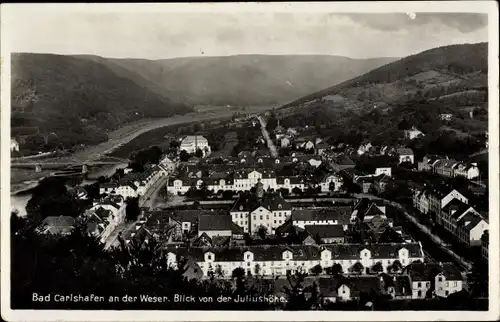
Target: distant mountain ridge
point(62, 101)
point(246, 79)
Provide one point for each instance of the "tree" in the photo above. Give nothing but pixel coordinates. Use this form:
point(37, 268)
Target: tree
point(377, 267)
point(199, 153)
point(317, 239)
point(227, 194)
point(51, 198)
point(396, 266)
point(218, 271)
point(296, 294)
point(336, 269)
point(132, 209)
point(257, 269)
point(262, 232)
point(174, 144)
point(284, 192)
point(357, 268)
point(316, 270)
point(184, 156)
point(297, 190)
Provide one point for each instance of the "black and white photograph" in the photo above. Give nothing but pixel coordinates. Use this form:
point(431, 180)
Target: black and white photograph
point(238, 161)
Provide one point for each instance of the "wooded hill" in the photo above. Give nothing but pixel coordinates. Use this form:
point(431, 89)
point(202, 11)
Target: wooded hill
point(61, 101)
point(414, 91)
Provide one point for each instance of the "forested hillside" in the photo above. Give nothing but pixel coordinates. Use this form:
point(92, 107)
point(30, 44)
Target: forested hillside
point(62, 101)
point(412, 92)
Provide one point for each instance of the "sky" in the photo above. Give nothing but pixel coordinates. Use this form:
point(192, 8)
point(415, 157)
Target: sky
point(169, 35)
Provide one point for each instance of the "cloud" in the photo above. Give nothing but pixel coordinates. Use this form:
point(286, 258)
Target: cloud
point(463, 22)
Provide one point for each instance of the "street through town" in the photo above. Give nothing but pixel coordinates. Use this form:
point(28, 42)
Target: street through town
point(267, 137)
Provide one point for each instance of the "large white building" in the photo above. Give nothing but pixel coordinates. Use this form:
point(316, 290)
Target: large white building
point(255, 211)
point(191, 143)
point(278, 260)
point(246, 179)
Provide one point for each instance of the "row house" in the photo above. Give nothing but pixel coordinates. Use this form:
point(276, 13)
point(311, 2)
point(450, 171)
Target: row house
point(445, 167)
point(336, 215)
point(245, 180)
point(448, 167)
point(432, 200)
point(431, 280)
point(464, 222)
point(134, 184)
point(253, 212)
point(279, 260)
point(428, 163)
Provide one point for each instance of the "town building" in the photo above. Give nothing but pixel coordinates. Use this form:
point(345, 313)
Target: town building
point(279, 260)
point(428, 163)
point(254, 211)
point(386, 170)
point(192, 143)
point(215, 225)
point(336, 215)
point(430, 280)
point(465, 170)
point(405, 155)
point(328, 234)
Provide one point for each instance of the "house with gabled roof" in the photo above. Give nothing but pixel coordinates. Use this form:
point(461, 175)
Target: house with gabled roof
point(253, 212)
point(328, 234)
point(405, 155)
point(434, 279)
point(215, 225)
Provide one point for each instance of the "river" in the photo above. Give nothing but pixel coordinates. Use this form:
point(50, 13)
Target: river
point(19, 201)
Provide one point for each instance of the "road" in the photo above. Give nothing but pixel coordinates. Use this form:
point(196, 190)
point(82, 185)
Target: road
point(267, 137)
point(438, 241)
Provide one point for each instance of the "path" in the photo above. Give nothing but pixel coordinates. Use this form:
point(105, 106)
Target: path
point(267, 137)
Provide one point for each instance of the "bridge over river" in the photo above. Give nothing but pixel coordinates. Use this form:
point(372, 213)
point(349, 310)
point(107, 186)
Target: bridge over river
point(63, 163)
